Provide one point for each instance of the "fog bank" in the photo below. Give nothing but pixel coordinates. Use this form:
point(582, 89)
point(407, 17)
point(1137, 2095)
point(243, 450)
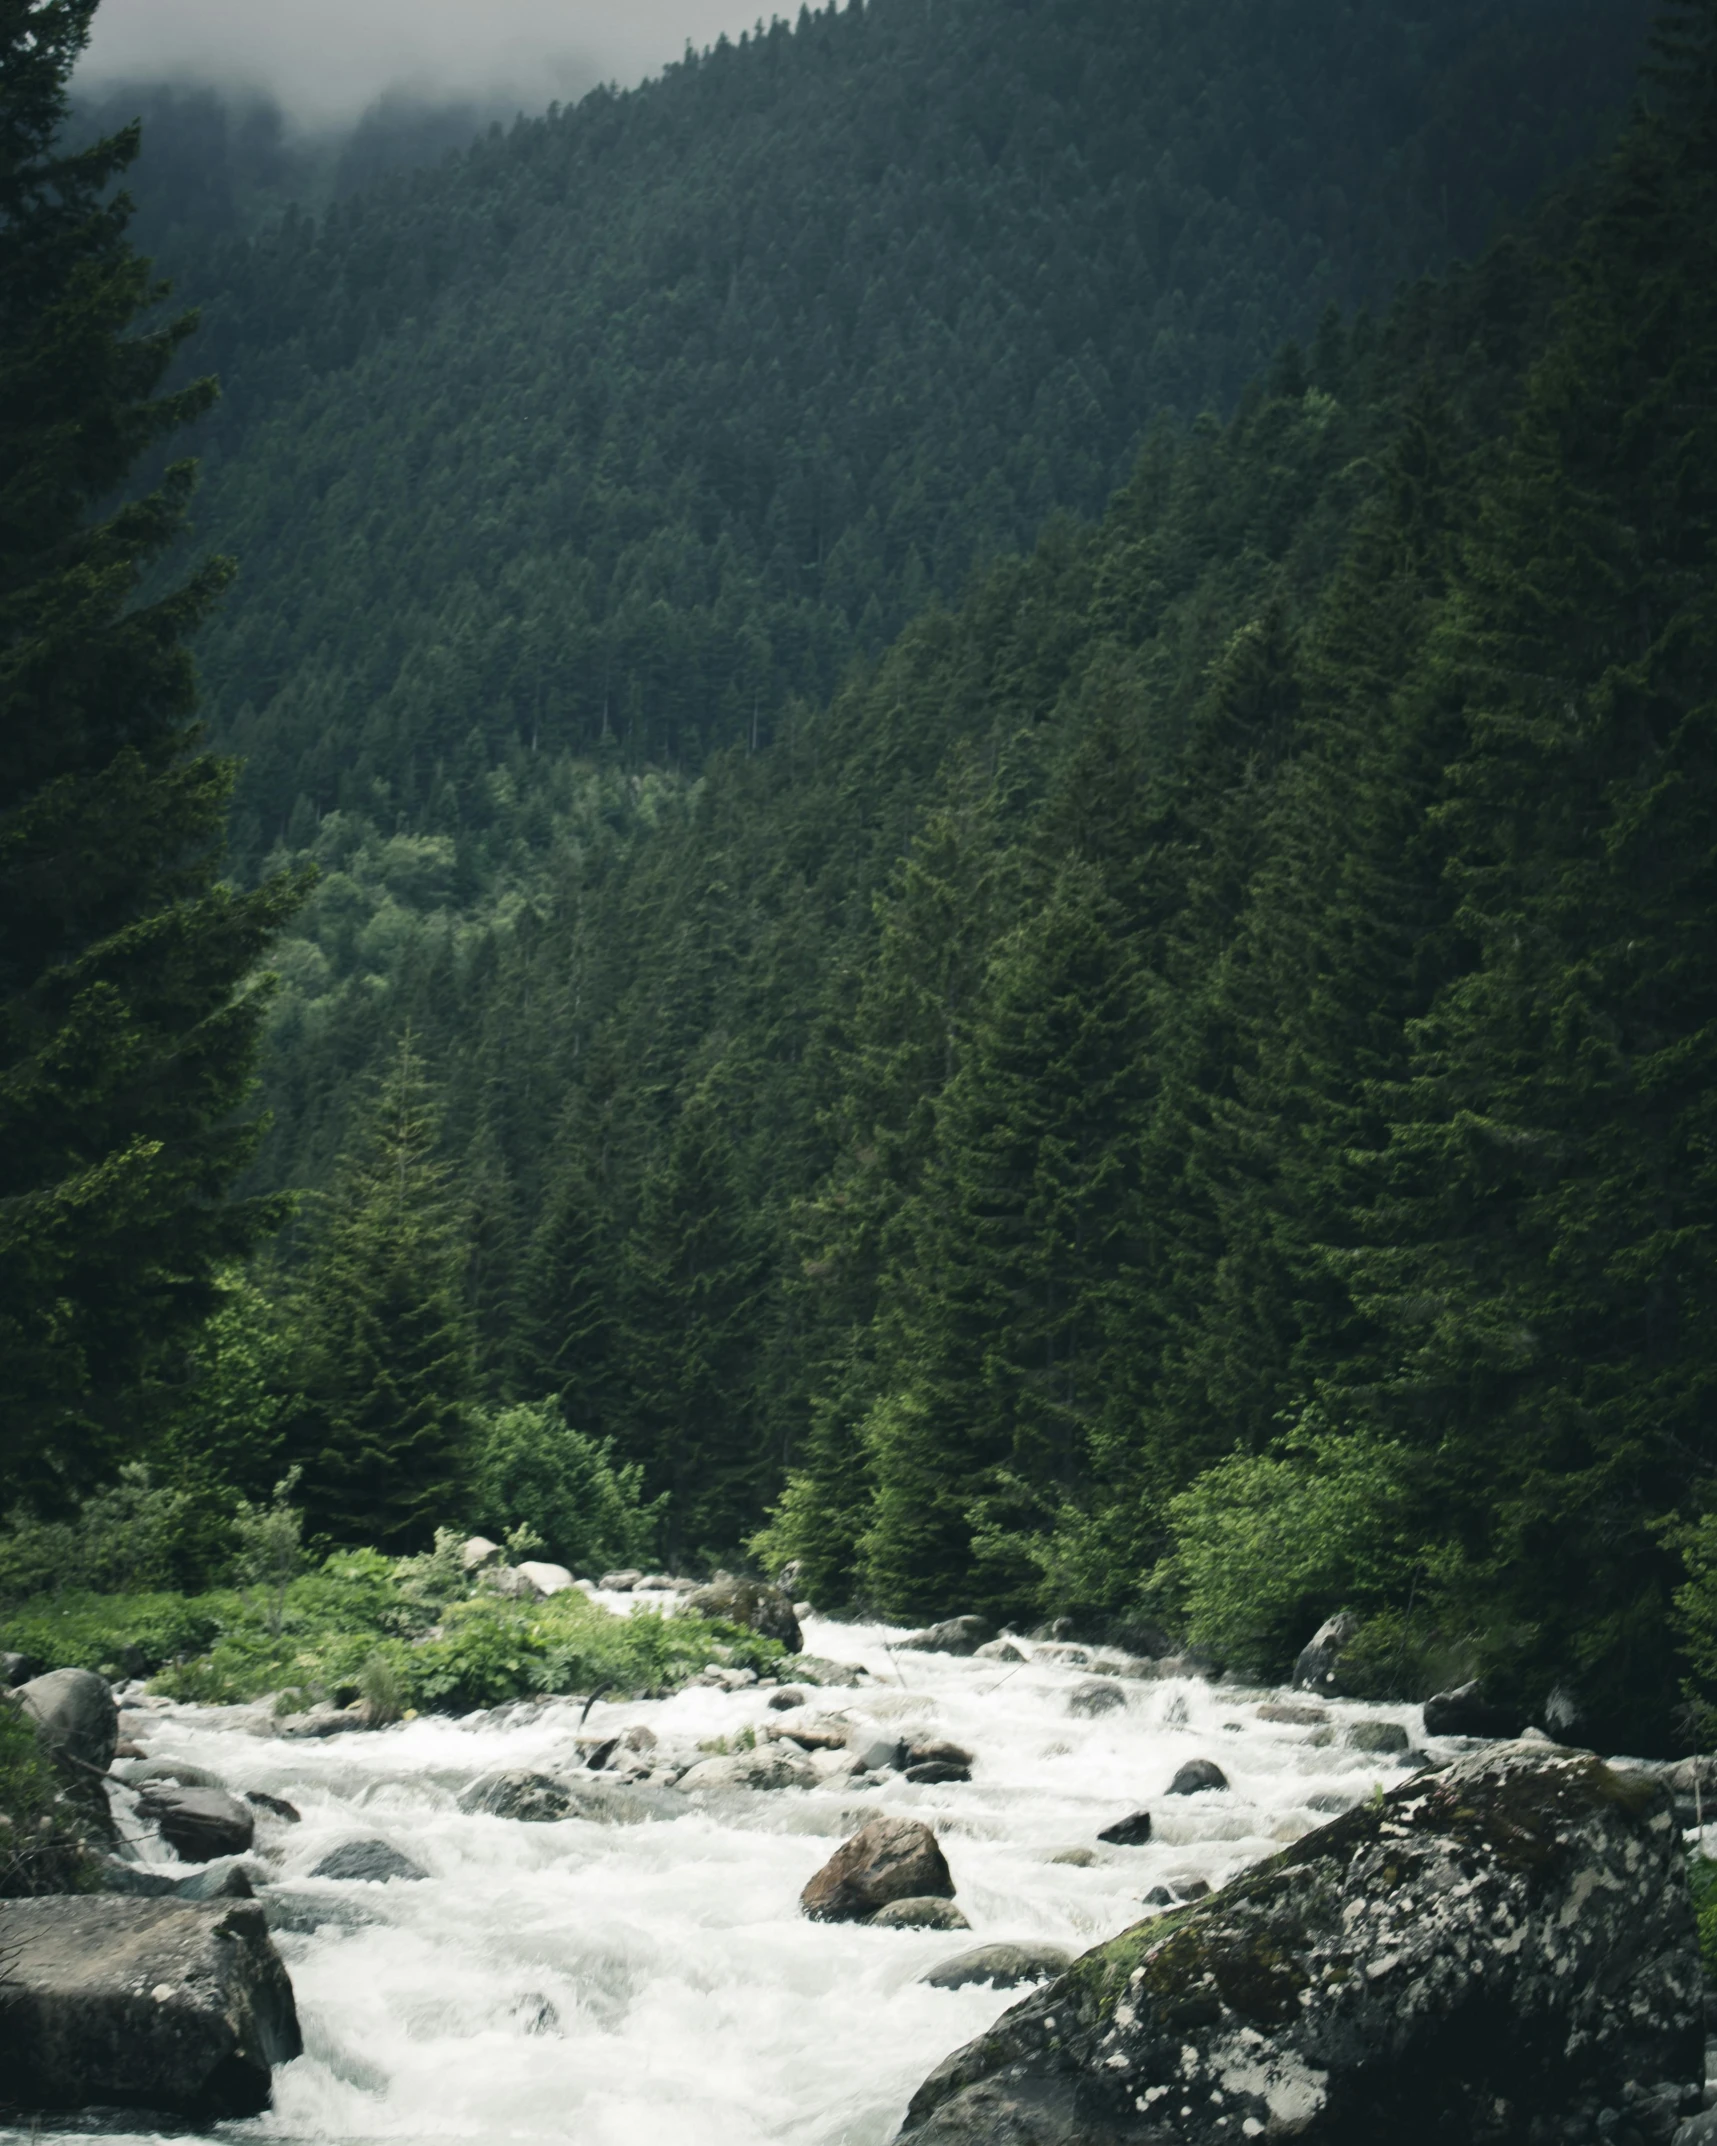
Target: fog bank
point(328, 60)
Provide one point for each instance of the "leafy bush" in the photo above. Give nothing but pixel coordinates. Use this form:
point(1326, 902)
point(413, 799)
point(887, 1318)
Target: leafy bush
point(130, 1635)
point(1268, 1545)
point(123, 1539)
point(534, 1469)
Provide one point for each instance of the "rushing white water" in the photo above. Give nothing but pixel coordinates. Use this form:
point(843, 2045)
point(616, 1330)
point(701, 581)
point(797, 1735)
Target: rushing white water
point(655, 1984)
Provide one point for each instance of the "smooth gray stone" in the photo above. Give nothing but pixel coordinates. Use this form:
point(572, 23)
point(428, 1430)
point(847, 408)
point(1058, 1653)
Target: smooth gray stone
point(367, 1862)
point(152, 2004)
point(1002, 1967)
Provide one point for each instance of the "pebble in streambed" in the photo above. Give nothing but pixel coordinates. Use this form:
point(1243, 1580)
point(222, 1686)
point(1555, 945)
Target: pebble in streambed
point(641, 1969)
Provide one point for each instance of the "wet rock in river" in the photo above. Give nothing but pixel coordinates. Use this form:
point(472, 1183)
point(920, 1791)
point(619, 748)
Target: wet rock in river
point(926, 1913)
point(619, 1583)
point(1197, 1777)
point(198, 1823)
point(1381, 1739)
point(1130, 1832)
point(936, 1751)
point(1502, 1954)
point(158, 2004)
point(275, 1806)
point(771, 1766)
point(1291, 1715)
point(1097, 1697)
point(929, 1773)
point(787, 1697)
point(999, 1650)
point(1001, 1967)
point(1318, 1667)
point(1466, 1711)
point(221, 1881)
point(889, 1859)
point(753, 1603)
point(955, 1635)
point(532, 1798)
point(368, 1862)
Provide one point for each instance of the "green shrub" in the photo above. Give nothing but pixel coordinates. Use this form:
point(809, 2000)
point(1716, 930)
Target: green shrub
point(127, 1635)
point(1268, 1545)
point(122, 1541)
point(533, 1469)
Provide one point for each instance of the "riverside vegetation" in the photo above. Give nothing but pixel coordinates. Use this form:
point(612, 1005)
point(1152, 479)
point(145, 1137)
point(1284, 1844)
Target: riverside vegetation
point(1166, 1075)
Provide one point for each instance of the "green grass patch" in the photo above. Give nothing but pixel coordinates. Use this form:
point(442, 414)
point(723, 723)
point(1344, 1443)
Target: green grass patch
point(42, 1848)
point(409, 1634)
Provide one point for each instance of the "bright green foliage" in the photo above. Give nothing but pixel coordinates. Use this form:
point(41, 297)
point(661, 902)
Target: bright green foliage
point(125, 1042)
point(531, 1467)
point(386, 1331)
point(126, 1538)
point(362, 1619)
point(1702, 1876)
point(1267, 1545)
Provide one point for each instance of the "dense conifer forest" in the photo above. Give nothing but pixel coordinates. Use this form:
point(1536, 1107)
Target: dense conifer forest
point(1004, 716)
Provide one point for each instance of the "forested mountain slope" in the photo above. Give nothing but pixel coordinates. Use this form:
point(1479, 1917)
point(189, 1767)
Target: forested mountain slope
point(639, 420)
point(1186, 1083)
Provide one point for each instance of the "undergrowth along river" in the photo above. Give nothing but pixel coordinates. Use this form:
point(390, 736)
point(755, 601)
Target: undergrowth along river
point(654, 1983)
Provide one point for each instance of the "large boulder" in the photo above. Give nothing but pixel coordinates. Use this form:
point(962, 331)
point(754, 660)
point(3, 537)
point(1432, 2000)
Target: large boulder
point(889, 1859)
point(198, 1823)
point(74, 1716)
point(1467, 1711)
point(955, 1635)
point(1318, 1667)
point(547, 1579)
point(1502, 1953)
point(754, 1603)
point(155, 2004)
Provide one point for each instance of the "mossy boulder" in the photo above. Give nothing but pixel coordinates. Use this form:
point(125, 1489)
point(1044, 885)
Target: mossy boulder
point(1495, 1954)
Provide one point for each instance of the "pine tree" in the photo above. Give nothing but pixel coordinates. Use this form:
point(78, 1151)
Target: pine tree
point(565, 1336)
point(1024, 1267)
point(125, 1041)
point(387, 1334)
point(1547, 1207)
point(690, 1290)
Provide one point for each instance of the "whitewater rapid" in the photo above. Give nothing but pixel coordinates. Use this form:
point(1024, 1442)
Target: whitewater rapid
point(654, 1984)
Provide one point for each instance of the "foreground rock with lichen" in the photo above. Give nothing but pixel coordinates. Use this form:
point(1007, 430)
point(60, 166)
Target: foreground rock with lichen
point(1498, 1954)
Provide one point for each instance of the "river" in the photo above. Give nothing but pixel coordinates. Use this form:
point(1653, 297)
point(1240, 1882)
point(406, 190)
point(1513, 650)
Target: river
point(654, 1984)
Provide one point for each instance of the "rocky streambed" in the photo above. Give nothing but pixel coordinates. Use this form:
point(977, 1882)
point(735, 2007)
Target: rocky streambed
point(563, 1922)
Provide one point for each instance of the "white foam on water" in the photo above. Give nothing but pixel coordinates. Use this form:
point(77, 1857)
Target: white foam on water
point(655, 1984)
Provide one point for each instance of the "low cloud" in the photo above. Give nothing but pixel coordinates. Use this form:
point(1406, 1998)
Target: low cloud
point(328, 60)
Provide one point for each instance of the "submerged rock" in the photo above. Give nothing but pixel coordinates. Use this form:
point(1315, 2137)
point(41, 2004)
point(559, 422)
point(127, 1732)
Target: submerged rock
point(1095, 1698)
point(753, 1603)
point(1002, 1967)
point(221, 1881)
point(1381, 1739)
point(155, 2004)
point(1198, 1777)
point(999, 1650)
point(1130, 1832)
point(922, 1912)
point(1502, 1954)
point(890, 1859)
point(367, 1862)
point(536, 1798)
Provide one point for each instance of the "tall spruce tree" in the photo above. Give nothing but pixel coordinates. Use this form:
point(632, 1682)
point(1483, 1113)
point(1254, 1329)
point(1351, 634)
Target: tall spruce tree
point(691, 1288)
point(1548, 1211)
point(126, 1041)
point(388, 1336)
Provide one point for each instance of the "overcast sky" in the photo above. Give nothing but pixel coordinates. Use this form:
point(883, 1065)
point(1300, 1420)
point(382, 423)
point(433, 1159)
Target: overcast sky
point(327, 59)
